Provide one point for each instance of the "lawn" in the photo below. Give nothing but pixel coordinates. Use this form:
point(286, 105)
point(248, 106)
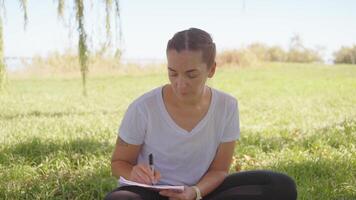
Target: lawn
point(299, 119)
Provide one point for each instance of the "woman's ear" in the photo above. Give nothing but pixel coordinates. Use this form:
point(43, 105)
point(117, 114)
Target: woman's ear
point(212, 70)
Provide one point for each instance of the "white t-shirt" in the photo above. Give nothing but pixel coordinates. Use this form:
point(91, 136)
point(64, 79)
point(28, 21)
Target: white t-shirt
point(180, 156)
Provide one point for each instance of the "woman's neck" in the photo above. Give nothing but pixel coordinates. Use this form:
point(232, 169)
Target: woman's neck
point(197, 101)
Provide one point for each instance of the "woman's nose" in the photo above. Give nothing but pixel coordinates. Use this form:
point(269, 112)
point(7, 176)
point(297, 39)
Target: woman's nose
point(181, 82)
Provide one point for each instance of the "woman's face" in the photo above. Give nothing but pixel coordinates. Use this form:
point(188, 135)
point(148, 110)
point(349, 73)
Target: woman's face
point(187, 73)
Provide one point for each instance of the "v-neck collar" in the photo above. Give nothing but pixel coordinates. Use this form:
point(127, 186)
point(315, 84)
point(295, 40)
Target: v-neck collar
point(174, 125)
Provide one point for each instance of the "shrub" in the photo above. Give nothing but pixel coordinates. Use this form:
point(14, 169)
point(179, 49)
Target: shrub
point(345, 55)
point(241, 57)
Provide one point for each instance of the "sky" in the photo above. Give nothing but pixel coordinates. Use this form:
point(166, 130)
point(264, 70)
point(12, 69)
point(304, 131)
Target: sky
point(148, 25)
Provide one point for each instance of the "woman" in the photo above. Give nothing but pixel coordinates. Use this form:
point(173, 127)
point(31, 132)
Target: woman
point(191, 130)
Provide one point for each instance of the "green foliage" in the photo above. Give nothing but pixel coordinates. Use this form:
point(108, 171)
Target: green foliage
point(297, 119)
point(345, 55)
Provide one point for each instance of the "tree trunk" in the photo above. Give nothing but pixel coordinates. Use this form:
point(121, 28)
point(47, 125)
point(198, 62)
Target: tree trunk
point(2, 61)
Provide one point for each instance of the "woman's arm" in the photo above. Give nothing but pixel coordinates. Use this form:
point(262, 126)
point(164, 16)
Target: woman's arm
point(124, 158)
point(218, 169)
point(124, 163)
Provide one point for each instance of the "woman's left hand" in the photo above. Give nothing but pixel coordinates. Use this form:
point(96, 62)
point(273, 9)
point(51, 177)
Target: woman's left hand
point(187, 194)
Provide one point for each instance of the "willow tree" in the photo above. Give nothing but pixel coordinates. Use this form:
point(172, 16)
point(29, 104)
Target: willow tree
point(23, 5)
point(83, 50)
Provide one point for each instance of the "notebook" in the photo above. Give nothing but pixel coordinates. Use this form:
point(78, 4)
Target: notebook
point(124, 181)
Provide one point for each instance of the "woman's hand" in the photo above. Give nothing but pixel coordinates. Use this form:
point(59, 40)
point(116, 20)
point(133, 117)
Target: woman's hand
point(187, 194)
point(142, 174)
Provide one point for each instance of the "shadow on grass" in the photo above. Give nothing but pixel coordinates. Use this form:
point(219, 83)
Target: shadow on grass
point(315, 180)
point(75, 169)
point(328, 169)
point(322, 179)
point(65, 184)
point(36, 151)
point(52, 114)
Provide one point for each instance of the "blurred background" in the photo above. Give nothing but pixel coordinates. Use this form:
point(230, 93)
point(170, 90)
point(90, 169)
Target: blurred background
point(285, 31)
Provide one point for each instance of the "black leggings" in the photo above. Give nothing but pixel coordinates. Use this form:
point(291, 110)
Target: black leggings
point(247, 185)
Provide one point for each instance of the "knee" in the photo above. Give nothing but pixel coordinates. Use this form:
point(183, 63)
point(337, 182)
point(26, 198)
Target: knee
point(285, 184)
point(284, 179)
point(120, 195)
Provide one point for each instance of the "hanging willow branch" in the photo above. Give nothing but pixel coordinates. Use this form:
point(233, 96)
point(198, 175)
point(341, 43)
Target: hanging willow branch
point(60, 8)
point(108, 8)
point(83, 50)
point(82, 46)
point(118, 25)
point(23, 4)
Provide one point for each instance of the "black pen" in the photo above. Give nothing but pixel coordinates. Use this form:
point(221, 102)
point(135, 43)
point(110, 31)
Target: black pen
point(152, 167)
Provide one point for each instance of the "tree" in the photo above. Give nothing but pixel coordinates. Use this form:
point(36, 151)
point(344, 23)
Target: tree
point(296, 43)
point(299, 53)
point(345, 55)
point(23, 5)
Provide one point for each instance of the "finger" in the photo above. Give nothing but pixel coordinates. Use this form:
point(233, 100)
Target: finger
point(143, 177)
point(157, 176)
point(170, 194)
point(137, 178)
point(147, 170)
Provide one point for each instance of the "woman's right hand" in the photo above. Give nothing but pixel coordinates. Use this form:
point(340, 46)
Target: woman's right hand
point(142, 173)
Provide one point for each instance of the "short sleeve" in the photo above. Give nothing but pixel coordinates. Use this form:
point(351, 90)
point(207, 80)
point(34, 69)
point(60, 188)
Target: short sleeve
point(231, 131)
point(133, 126)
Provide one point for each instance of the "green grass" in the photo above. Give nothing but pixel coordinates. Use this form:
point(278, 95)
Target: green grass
point(297, 119)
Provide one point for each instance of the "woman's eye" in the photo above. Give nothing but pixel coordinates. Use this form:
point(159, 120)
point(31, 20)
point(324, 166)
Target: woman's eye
point(173, 75)
point(192, 75)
